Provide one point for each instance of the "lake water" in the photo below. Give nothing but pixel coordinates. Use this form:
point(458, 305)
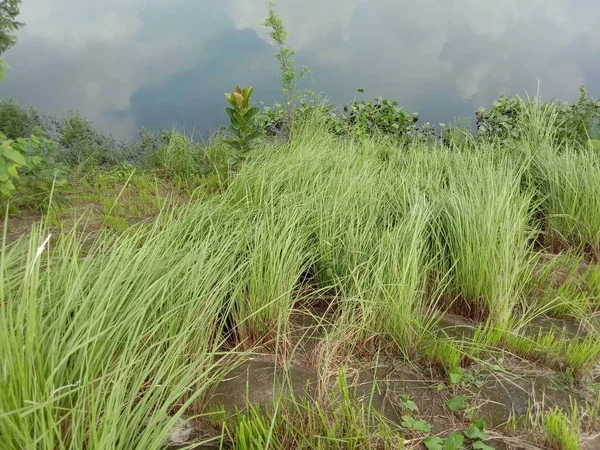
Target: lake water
point(153, 63)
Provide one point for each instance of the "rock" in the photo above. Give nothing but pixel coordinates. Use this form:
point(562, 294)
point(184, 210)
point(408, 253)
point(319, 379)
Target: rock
point(181, 432)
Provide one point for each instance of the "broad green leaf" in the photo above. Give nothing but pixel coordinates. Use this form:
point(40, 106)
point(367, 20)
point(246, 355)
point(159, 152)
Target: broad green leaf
point(255, 134)
point(456, 403)
point(474, 432)
point(12, 170)
point(421, 425)
point(232, 113)
point(454, 441)
point(481, 446)
point(249, 114)
point(479, 424)
point(408, 421)
point(238, 100)
point(455, 375)
point(14, 155)
point(416, 425)
point(433, 443)
point(409, 404)
point(231, 100)
point(234, 144)
point(235, 131)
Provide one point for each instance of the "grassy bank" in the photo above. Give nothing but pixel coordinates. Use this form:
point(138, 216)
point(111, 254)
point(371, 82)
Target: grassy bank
point(105, 345)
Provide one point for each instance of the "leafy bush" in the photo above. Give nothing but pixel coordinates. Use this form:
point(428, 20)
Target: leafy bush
point(30, 172)
point(81, 144)
point(380, 116)
point(501, 122)
point(574, 123)
point(577, 121)
point(20, 121)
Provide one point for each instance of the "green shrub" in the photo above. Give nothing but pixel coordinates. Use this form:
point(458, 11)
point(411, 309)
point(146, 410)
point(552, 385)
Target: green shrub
point(380, 116)
point(29, 171)
point(82, 145)
point(573, 124)
point(19, 121)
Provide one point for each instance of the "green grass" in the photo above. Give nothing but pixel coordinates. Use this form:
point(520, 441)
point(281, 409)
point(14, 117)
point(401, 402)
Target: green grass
point(94, 347)
point(277, 255)
point(561, 430)
point(570, 185)
point(347, 423)
point(483, 235)
point(108, 343)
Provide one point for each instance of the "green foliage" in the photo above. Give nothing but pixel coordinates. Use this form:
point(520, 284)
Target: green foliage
point(455, 375)
point(29, 167)
point(243, 126)
point(570, 184)
point(562, 431)
point(288, 75)
point(456, 403)
point(82, 145)
point(342, 425)
point(380, 116)
point(476, 431)
point(418, 425)
point(576, 121)
point(119, 343)
point(501, 122)
point(3, 67)
point(19, 121)
point(574, 124)
point(454, 441)
point(459, 133)
point(175, 156)
point(12, 159)
point(434, 443)
point(9, 10)
point(483, 232)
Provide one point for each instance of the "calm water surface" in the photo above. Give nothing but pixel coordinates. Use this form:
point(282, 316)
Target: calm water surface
point(153, 63)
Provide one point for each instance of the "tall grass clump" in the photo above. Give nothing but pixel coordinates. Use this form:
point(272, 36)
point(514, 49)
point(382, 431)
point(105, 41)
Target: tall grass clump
point(483, 235)
point(277, 257)
point(569, 183)
point(397, 279)
point(108, 349)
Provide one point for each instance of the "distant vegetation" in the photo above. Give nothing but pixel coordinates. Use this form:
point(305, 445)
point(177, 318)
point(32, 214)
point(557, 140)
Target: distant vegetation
point(355, 244)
